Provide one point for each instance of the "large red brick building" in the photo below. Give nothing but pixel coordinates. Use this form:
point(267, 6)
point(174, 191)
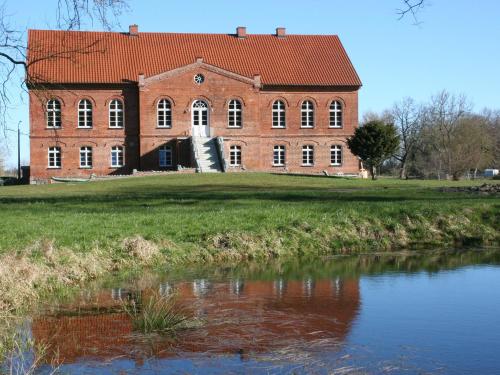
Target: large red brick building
point(110, 103)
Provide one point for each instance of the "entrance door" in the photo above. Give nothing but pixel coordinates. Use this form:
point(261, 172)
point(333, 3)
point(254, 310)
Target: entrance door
point(200, 124)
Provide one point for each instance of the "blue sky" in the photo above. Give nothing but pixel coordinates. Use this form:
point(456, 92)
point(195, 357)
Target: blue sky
point(456, 46)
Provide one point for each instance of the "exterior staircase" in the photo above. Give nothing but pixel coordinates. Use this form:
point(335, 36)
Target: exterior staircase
point(206, 155)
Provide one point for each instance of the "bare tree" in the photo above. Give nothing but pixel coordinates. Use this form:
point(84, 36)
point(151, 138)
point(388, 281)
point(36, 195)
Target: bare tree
point(70, 15)
point(406, 116)
point(411, 7)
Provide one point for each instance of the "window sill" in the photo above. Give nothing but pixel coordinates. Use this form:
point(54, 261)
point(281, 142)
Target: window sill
point(235, 127)
point(54, 167)
point(276, 127)
point(116, 128)
point(163, 127)
point(116, 166)
point(335, 127)
point(278, 165)
point(85, 168)
point(53, 128)
point(307, 165)
point(84, 127)
point(307, 127)
point(335, 165)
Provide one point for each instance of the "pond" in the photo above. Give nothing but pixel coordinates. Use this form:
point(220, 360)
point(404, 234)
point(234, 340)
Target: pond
point(409, 313)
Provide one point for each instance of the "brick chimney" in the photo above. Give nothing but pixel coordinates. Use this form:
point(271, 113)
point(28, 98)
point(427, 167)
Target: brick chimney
point(241, 32)
point(133, 30)
point(280, 32)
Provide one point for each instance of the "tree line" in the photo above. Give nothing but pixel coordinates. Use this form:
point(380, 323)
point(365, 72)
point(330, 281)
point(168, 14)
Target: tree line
point(442, 138)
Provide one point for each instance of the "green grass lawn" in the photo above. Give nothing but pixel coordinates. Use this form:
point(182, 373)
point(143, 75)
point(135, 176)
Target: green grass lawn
point(195, 209)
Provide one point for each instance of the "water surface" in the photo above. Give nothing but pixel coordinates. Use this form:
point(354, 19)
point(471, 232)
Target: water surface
point(388, 314)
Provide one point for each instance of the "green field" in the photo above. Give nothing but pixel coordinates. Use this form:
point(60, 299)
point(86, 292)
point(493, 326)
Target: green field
point(185, 210)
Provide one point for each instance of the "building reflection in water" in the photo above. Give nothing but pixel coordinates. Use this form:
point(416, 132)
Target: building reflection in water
point(241, 316)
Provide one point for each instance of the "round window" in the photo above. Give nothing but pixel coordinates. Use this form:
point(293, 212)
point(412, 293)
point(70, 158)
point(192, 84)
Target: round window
point(199, 79)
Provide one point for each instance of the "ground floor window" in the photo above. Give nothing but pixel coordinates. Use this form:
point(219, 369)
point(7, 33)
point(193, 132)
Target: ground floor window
point(54, 157)
point(307, 155)
point(279, 155)
point(85, 157)
point(117, 156)
point(165, 156)
point(336, 155)
point(235, 156)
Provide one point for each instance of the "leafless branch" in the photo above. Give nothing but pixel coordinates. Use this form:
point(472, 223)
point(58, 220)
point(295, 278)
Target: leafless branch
point(411, 7)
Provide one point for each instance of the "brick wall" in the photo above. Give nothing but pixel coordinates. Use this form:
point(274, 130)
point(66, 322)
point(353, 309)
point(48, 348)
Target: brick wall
point(142, 137)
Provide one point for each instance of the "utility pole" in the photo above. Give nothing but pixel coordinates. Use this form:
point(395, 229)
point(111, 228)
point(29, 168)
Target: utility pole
point(19, 151)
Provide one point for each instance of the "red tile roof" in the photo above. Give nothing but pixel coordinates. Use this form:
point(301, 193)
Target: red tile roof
point(109, 57)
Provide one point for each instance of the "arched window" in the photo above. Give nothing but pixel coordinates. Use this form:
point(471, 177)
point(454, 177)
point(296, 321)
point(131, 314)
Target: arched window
point(235, 156)
point(335, 114)
point(279, 114)
point(54, 157)
point(279, 155)
point(85, 114)
point(164, 114)
point(117, 156)
point(307, 114)
point(307, 155)
point(116, 114)
point(234, 114)
point(53, 113)
point(86, 157)
point(165, 156)
point(336, 155)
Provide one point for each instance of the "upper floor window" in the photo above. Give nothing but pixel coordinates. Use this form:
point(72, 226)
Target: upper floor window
point(335, 114)
point(235, 156)
point(234, 114)
point(279, 114)
point(307, 155)
point(116, 114)
point(54, 157)
point(117, 156)
point(53, 113)
point(86, 157)
point(165, 156)
point(85, 114)
point(164, 114)
point(279, 155)
point(307, 114)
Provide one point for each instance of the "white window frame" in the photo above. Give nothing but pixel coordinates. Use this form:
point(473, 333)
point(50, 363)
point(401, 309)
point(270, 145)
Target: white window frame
point(280, 111)
point(164, 109)
point(163, 159)
point(280, 152)
point(86, 112)
point(235, 110)
point(120, 154)
point(53, 114)
point(336, 155)
point(54, 157)
point(86, 157)
point(116, 106)
point(235, 156)
point(336, 119)
point(307, 155)
point(307, 115)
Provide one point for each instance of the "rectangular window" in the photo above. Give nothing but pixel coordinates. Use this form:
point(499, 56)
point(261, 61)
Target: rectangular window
point(235, 156)
point(307, 155)
point(85, 157)
point(165, 156)
point(54, 157)
point(117, 156)
point(279, 155)
point(336, 155)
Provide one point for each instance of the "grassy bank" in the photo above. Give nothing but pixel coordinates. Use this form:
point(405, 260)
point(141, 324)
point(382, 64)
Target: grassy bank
point(57, 235)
